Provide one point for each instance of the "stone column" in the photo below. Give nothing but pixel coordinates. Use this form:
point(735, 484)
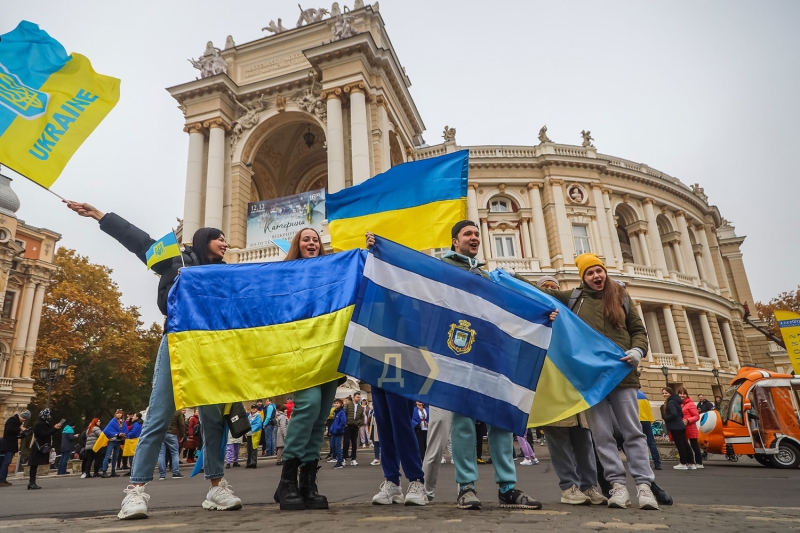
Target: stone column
point(686, 245)
point(485, 239)
point(564, 228)
point(335, 138)
point(193, 197)
point(644, 248)
point(215, 178)
point(672, 334)
point(708, 338)
point(537, 222)
point(708, 263)
point(602, 223)
point(698, 263)
point(359, 132)
point(472, 214)
point(612, 228)
point(23, 322)
point(33, 330)
point(717, 261)
point(676, 249)
point(730, 344)
point(692, 340)
point(654, 238)
point(385, 126)
point(526, 237)
point(641, 315)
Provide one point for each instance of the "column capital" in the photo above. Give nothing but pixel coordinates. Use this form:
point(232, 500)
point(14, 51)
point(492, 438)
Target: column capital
point(356, 87)
point(217, 123)
point(473, 186)
point(556, 181)
point(607, 190)
point(680, 213)
point(667, 306)
point(535, 185)
point(648, 200)
point(525, 220)
point(333, 92)
point(598, 186)
point(484, 220)
point(194, 127)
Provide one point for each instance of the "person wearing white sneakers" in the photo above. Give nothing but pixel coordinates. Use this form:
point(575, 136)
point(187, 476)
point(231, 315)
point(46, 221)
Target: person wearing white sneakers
point(672, 413)
point(438, 438)
point(373, 437)
point(208, 247)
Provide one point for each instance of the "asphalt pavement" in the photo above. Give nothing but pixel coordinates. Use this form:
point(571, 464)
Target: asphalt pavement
point(724, 496)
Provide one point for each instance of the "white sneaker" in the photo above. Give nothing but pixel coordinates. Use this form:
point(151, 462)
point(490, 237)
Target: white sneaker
point(389, 494)
point(452, 461)
point(375, 462)
point(526, 462)
point(619, 497)
point(83, 476)
point(596, 496)
point(134, 505)
point(331, 460)
point(221, 498)
point(353, 463)
point(646, 499)
point(692, 467)
point(573, 496)
point(416, 494)
point(535, 461)
point(680, 467)
point(699, 466)
point(444, 461)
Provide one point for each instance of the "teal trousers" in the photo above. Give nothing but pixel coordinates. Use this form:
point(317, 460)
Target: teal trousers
point(307, 426)
point(501, 443)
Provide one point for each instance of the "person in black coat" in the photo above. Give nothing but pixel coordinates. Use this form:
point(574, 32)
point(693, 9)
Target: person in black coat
point(42, 443)
point(14, 430)
point(672, 413)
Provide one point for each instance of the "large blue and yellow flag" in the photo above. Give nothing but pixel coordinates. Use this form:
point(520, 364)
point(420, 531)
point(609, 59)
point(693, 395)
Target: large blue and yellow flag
point(50, 102)
point(259, 330)
point(414, 204)
point(582, 365)
point(163, 248)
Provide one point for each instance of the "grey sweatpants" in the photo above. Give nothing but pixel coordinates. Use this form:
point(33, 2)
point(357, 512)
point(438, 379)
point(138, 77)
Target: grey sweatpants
point(621, 403)
point(572, 455)
point(441, 422)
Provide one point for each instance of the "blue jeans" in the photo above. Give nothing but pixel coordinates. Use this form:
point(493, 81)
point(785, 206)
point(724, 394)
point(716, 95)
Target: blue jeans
point(398, 441)
point(112, 452)
point(160, 412)
point(4, 463)
point(336, 448)
point(269, 440)
point(647, 429)
point(62, 464)
point(171, 444)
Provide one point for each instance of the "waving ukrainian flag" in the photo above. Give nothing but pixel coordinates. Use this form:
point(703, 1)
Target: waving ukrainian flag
point(50, 102)
point(259, 330)
point(414, 204)
point(163, 248)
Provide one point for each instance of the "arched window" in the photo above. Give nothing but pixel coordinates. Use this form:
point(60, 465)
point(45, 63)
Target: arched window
point(501, 205)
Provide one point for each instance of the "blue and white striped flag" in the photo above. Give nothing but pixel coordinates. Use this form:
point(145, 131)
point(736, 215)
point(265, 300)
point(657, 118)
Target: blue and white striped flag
point(431, 332)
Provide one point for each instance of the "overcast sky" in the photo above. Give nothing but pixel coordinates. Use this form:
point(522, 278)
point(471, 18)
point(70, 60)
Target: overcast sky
point(704, 91)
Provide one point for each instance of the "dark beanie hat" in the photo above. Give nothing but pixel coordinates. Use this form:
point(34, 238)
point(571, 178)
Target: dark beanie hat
point(457, 229)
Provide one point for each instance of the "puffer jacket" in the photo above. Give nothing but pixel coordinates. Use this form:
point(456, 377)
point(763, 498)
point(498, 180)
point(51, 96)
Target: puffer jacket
point(91, 437)
point(690, 416)
point(672, 413)
point(589, 308)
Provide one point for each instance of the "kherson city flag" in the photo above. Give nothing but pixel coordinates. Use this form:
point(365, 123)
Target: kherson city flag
point(163, 248)
point(431, 332)
point(582, 366)
point(50, 102)
point(789, 323)
point(414, 204)
point(258, 330)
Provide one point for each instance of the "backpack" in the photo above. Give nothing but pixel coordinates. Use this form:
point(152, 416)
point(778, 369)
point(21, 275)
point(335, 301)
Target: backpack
point(576, 295)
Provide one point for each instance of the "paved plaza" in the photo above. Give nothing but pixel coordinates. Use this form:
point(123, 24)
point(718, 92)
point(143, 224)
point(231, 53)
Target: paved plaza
point(723, 497)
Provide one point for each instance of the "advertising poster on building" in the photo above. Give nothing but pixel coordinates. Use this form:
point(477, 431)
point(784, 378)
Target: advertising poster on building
point(282, 218)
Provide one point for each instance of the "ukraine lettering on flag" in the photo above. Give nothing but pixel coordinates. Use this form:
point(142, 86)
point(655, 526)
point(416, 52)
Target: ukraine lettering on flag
point(414, 204)
point(164, 248)
point(431, 332)
point(50, 102)
point(259, 330)
point(582, 365)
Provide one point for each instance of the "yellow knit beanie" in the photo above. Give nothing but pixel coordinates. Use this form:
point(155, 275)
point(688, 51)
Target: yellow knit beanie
point(586, 261)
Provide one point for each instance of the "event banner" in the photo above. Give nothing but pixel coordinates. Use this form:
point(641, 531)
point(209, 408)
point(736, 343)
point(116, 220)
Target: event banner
point(789, 324)
point(282, 218)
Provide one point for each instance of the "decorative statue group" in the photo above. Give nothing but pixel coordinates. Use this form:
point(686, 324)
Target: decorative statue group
point(307, 16)
point(248, 117)
point(211, 62)
point(342, 26)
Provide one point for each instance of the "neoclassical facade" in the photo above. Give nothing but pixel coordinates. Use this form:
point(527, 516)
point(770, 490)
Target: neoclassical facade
point(327, 105)
point(26, 267)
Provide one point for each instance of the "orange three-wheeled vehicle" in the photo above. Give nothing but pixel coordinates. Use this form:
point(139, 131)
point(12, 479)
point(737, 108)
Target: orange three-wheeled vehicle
point(759, 416)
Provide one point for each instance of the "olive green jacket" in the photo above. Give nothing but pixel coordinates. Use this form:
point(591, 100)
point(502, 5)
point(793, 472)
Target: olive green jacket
point(590, 308)
point(465, 263)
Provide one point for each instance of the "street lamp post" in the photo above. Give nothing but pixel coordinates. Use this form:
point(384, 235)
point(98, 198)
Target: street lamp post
point(665, 371)
point(53, 373)
point(715, 373)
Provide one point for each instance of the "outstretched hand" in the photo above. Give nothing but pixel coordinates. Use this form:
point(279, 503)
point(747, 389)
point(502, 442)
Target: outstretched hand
point(84, 209)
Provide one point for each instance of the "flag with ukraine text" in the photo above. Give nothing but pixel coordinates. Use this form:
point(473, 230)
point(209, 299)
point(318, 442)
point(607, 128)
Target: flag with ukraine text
point(50, 102)
point(258, 330)
point(414, 204)
point(443, 336)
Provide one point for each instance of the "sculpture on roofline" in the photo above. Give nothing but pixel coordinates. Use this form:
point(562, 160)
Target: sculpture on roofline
point(229, 42)
point(311, 15)
point(211, 62)
point(699, 192)
point(587, 139)
point(449, 134)
point(343, 26)
point(543, 138)
point(275, 28)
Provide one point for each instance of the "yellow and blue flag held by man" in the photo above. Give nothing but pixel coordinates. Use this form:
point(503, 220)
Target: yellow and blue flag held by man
point(259, 330)
point(50, 102)
point(789, 324)
point(163, 248)
point(414, 204)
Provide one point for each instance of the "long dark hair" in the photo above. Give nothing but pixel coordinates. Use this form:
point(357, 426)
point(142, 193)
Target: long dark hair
point(294, 249)
point(200, 241)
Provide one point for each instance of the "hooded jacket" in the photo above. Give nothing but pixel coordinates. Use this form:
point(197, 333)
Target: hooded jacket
point(339, 422)
point(691, 416)
point(672, 412)
point(470, 264)
point(67, 438)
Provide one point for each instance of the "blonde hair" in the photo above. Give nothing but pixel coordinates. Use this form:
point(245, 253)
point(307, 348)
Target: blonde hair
point(294, 249)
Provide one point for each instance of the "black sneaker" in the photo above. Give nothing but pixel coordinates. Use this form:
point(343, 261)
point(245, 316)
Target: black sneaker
point(468, 499)
point(660, 494)
point(177, 476)
point(516, 499)
point(114, 474)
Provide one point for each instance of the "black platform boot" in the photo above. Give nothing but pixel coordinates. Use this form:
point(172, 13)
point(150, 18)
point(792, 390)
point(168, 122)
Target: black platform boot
point(308, 486)
point(287, 493)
